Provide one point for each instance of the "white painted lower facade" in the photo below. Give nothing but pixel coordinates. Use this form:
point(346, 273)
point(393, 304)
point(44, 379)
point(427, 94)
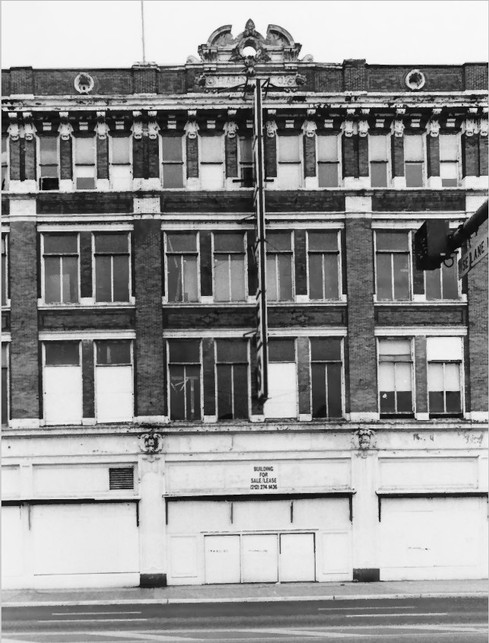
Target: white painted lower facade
point(243, 504)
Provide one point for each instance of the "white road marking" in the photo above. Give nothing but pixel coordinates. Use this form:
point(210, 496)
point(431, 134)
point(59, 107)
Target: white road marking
point(151, 637)
point(91, 613)
point(382, 607)
point(391, 614)
point(85, 620)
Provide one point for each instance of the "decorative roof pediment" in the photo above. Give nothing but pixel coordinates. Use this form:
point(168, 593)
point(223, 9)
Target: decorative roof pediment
point(278, 45)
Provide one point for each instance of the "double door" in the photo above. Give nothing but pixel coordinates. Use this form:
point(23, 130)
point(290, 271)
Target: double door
point(260, 558)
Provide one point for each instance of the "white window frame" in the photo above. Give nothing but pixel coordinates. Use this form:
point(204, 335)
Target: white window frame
point(181, 163)
point(422, 161)
point(41, 165)
point(410, 266)
point(5, 272)
point(388, 167)
point(411, 362)
point(6, 163)
point(216, 164)
point(169, 253)
point(337, 162)
point(248, 380)
point(245, 268)
point(341, 295)
point(444, 359)
point(130, 298)
point(342, 376)
point(79, 366)
point(201, 377)
point(112, 164)
point(96, 366)
point(43, 271)
point(83, 165)
point(456, 161)
point(299, 163)
point(275, 253)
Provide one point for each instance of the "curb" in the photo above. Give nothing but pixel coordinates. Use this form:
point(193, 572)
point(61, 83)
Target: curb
point(245, 599)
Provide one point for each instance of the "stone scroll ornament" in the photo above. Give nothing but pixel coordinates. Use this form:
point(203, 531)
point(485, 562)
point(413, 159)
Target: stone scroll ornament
point(151, 443)
point(365, 439)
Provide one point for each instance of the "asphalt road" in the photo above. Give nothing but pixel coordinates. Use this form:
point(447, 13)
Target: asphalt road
point(427, 620)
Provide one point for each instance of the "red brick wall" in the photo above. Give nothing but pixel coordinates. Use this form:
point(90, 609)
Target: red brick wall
point(304, 374)
point(478, 333)
point(362, 385)
point(420, 374)
point(102, 158)
point(88, 379)
point(209, 376)
point(149, 366)
point(24, 350)
point(192, 158)
point(309, 156)
point(433, 150)
point(231, 146)
point(397, 151)
point(470, 155)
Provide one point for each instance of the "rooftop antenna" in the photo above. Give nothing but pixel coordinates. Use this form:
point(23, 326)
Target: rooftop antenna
point(142, 31)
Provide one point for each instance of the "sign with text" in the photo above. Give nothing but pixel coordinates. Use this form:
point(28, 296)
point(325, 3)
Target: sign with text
point(476, 250)
point(264, 478)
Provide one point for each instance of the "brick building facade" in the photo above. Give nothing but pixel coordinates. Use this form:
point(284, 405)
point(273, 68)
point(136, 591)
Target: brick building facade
point(136, 449)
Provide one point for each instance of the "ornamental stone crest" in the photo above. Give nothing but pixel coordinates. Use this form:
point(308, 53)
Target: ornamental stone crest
point(277, 46)
point(151, 443)
point(365, 440)
point(84, 83)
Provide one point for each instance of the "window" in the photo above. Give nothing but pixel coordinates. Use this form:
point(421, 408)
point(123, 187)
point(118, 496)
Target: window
point(232, 379)
point(289, 171)
point(282, 380)
point(395, 377)
point(323, 265)
point(184, 379)
point(62, 383)
point(414, 160)
point(328, 161)
point(279, 266)
point(392, 266)
point(48, 163)
point(120, 162)
point(211, 162)
point(444, 355)
point(111, 267)
point(4, 162)
point(4, 271)
point(113, 381)
point(449, 160)
point(326, 374)
point(172, 161)
point(442, 283)
point(378, 146)
point(60, 268)
point(85, 163)
point(229, 266)
point(246, 161)
point(5, 385)
point(182, 270)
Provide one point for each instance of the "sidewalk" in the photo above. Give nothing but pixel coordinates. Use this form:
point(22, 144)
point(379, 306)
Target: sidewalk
point(246, 593)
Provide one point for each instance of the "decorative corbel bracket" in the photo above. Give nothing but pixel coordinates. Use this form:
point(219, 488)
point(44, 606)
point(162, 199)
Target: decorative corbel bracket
point(271, 128)
point(309, 128)
point(13, 129)
point(483, 127)
point(434, 128)
point(153, 127)
point(470, 126)
point(398, 127)
point(365, 440)
point(363, 128)
point(151, 443)
point(349, 127)
point(230, 129)
point(29, 127)
point(101, 126)
point(65, 128)
point(137, 125)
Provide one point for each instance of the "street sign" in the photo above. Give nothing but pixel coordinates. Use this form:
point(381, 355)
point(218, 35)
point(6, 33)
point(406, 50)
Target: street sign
point(476, 250)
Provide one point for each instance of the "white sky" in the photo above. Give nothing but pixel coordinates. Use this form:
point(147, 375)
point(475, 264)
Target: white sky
point(96, 33)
